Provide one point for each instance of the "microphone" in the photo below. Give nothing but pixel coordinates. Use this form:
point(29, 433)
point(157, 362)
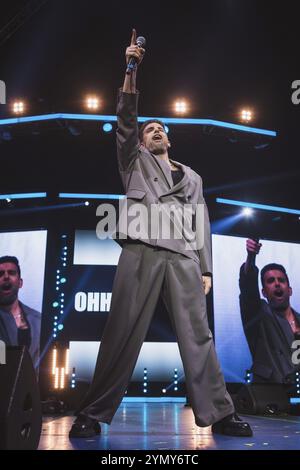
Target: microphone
point(141, 42)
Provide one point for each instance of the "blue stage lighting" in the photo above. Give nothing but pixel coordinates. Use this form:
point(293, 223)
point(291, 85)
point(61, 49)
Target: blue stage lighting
point(254, 205)
point(112, 118)
point(23, 196)
point(107, 127)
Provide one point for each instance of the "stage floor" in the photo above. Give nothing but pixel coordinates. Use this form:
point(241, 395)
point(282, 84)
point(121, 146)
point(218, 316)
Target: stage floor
point(166, 426)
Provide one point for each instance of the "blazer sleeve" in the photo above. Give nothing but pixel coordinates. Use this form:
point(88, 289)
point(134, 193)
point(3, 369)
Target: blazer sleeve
point(250, 305)
point(127, 129)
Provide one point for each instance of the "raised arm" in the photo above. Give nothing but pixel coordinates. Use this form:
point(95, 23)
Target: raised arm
point(127, 131)
point(249, 275)
point(249, 294)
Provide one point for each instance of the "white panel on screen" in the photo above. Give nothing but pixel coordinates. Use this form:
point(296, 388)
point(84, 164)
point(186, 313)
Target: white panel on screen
point(228, 255)
point(90, 250)
point(160, 359)
point(30, 249)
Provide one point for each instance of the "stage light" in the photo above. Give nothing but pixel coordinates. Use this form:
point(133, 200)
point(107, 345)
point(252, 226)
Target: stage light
point(8, 200)
point(73, 380)
point(246, 115)
point(56, 378)
point(92, 102)
point(167, 129)
point(107, 127)
point(247, 211)
point(164, 390)
point(67, 361)
point(254, 205)
point(54, 360)
point(145, 380)
point(62, 378)
point(87, 203)
point(18, 107)
point(180, 107)
point(60, 327)
point(175, 382)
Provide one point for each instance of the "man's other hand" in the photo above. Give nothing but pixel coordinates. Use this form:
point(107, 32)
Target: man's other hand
point(206, 284)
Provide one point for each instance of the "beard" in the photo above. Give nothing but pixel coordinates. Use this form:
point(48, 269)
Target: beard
point(8, 299)
point(279, 306)
point(157, 148)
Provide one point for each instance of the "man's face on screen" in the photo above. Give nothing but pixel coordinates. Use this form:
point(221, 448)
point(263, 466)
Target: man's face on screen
point(10, 283)
point(276, 289)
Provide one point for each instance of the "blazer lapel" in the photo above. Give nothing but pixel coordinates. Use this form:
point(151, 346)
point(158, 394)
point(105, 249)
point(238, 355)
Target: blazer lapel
point(285, 328)
point(167, 172)
point(165, 168)
point(10, 327)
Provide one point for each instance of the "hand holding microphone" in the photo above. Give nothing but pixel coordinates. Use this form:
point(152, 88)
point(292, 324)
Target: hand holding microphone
point(253, 246)
point(135, 52)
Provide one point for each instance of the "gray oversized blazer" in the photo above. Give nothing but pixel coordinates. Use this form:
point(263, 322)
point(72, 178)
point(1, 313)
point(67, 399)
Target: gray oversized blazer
point(147, 180)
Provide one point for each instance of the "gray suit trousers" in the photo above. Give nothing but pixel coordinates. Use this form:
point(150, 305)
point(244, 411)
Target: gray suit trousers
point(143, 273)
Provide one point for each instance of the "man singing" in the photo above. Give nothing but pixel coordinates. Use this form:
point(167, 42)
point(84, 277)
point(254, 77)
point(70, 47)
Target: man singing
point(151, 265)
